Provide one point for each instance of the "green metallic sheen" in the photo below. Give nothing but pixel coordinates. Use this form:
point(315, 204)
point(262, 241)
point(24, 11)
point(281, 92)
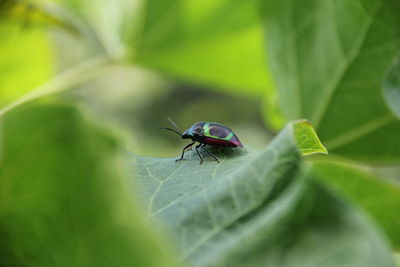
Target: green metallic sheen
point(206, 128)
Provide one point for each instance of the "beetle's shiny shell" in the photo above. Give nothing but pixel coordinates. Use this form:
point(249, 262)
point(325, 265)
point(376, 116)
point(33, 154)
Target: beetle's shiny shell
point(215, 134)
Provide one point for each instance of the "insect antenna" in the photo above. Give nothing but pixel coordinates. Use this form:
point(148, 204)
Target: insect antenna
point(172, 130)
point(176, 130)
point(174, 124)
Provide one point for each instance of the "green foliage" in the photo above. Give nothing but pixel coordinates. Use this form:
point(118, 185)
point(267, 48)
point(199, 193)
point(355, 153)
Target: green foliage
point(104, 31)
point(64, 195)
point(397, 258)
point(329, 59)
point(256, 208)
point(31, 13)
point(392, 88)
point(26, 60)
point(307, 140)
point(211, 42)
point(63, 198)
point(27, 57)
point(376, 196)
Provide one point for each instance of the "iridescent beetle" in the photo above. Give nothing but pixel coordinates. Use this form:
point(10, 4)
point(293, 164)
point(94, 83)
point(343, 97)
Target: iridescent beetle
point(207, 133)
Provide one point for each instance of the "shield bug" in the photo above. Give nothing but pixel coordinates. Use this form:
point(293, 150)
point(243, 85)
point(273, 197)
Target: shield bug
point(207, 133)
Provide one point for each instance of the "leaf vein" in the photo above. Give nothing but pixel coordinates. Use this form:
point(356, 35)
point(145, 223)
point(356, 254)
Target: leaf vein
point(340, 72)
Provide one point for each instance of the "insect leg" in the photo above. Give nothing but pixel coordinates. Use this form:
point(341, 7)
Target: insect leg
point(183, 151)
point(198, 153)
point(211, 154)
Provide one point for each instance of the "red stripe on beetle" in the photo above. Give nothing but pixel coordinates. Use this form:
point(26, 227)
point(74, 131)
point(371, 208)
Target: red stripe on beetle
point(234, 142)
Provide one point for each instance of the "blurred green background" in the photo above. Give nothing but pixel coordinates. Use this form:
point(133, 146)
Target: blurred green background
point(38, 45)
point(83, 82)
point(140, 101)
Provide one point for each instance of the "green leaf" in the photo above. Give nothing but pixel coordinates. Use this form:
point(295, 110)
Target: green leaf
point(392, 88)
point(25, 49)
point(256, 209)
point(329, 59)
point(26, 60)
point(307, 140)
point(378, 197)
point(218, 43)
point(397, 258)
point(33, 13)
point(64, 198)
point(272, 113)
point(185, 40)
point(108, 27)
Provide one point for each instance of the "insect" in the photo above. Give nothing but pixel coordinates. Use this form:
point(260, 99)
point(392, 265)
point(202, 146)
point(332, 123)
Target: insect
point(206, 133)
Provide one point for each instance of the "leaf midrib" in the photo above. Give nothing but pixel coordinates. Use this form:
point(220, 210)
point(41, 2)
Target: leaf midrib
point(340, 72)
point(359, 131)
point(239, 214)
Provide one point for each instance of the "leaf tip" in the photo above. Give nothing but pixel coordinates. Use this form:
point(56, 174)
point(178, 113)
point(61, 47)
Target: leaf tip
point(306, 138)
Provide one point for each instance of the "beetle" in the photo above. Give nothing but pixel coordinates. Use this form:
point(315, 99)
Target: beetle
point(206, 133)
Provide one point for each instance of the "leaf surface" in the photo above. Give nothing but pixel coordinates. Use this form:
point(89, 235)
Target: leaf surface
point(391, 88)
point(256, 208)
point(215, 43)
point(307, 140)
point(26, 60)
point(329, 59)
point(380, 198)
point(64, 198)
point(219, 43)
point(26, 51)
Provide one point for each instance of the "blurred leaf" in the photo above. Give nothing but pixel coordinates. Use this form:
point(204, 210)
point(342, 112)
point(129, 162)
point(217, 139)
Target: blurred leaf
point(392, 88)
point(378, 197)
point(26, 60)
point(108, 19)
point(271, 110)
point(30, 59)
point(397, 258)
point(185, 40)
point(32, 13)
point(63, 197)
point(65, 80)
point(329, 59)
point(256, 209)
point(219, 43)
